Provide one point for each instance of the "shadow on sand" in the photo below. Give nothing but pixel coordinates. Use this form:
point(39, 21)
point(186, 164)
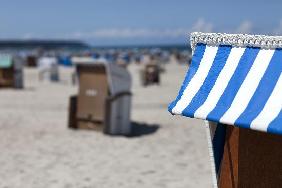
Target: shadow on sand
point(142, 129)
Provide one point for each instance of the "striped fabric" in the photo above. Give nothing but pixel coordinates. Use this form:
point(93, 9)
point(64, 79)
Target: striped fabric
point(239, 86)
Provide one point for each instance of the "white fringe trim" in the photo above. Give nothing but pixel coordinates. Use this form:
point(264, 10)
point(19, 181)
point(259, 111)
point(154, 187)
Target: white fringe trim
point(238, 40)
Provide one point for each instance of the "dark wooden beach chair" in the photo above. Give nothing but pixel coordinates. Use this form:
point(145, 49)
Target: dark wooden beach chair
point(150, 74)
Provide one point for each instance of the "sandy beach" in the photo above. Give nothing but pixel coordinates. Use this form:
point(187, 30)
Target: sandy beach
point(39, 151)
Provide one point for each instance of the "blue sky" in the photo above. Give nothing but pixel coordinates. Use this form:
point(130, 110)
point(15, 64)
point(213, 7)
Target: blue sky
point(123, 22)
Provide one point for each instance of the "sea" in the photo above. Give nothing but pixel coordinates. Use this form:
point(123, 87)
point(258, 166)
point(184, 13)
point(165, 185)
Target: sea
point(172, 47)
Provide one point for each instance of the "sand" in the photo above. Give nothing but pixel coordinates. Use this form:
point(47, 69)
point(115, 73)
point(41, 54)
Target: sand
point(39, 151)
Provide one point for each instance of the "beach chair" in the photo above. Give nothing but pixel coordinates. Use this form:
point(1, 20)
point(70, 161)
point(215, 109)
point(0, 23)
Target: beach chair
point(234, 83)
point(11, 71)
point(31, 61)
point(48, 68)
point(150, 74)
point(104, 98)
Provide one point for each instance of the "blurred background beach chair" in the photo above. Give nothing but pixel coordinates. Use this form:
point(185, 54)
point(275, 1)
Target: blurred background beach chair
point(104, 99)
point(11, 71)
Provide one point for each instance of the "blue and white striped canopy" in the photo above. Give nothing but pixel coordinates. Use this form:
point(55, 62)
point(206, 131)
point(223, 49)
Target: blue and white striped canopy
point(239, 86)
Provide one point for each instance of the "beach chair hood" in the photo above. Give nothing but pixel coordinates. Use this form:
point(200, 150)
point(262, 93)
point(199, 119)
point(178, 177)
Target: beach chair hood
point(119, 79)
point(6, 61)
point(234, 79)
